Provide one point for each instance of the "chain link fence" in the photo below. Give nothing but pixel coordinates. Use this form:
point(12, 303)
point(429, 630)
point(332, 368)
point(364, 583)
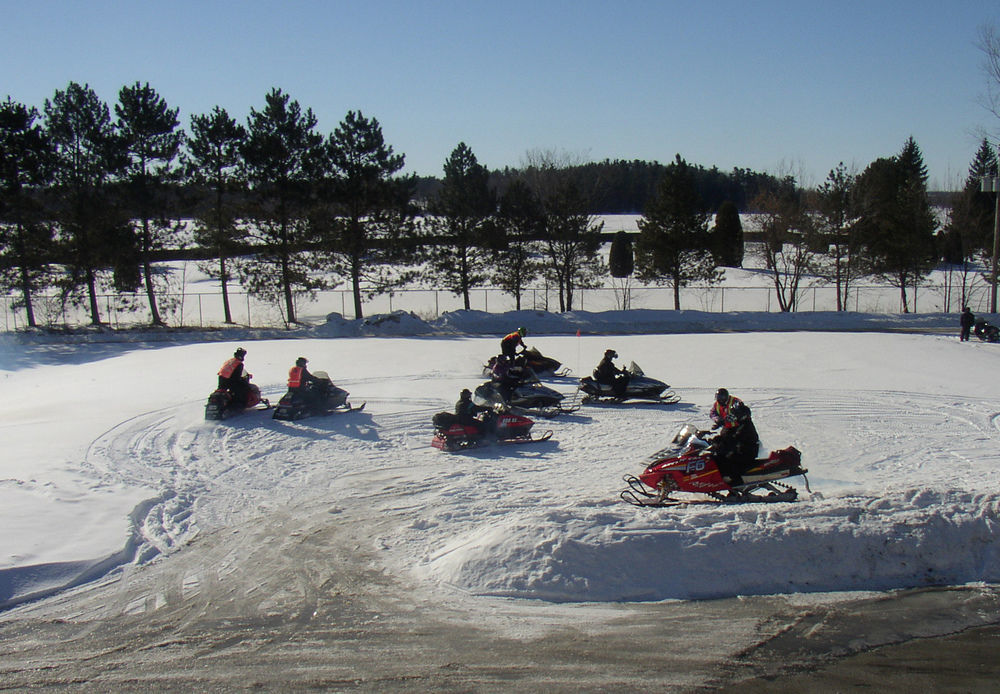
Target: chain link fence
point(205, 309)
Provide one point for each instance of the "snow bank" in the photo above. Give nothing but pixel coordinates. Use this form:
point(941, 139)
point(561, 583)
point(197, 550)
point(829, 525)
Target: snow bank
point(846, 544)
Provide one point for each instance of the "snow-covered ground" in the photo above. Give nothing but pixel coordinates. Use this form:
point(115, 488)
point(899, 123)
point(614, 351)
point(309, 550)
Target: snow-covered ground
point(108, 460)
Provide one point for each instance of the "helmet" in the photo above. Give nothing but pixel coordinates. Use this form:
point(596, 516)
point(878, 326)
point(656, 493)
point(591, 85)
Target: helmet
point(465, 394)
point(522, 331)
point(611, 353)
point(740, 412)
point(722, 396)
point(240, 353)
point(301, 361)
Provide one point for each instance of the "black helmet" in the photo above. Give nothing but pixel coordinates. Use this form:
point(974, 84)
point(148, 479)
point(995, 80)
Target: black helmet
point(301, 361)
point(240, 353)
point(465, 394)
point(740, 412)
point(722, 396)
point(611, 353)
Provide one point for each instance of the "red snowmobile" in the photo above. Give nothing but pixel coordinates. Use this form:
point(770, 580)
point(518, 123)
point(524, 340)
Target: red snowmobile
point(689, 466)
point(501, 428)
point(222, 403)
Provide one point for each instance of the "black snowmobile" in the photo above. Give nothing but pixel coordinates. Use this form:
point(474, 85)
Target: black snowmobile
point(528, 396)
point(985, 331)
point(322, 399)
point(532, 359)
point(639, 387)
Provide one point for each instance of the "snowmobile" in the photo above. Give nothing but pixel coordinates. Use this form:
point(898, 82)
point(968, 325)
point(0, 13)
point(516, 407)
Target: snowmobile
point(542, 365)
point(528, 396)
point(496, 426)
point(689, 466)
point(640, 387)
point(987, 332)
point(222, 403)
point(296, 404)
point(532, 359)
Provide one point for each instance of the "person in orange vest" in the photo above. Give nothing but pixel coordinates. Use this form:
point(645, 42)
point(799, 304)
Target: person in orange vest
point(301, 381)
point(233, 378)
point(722, 409)
point(510, 343)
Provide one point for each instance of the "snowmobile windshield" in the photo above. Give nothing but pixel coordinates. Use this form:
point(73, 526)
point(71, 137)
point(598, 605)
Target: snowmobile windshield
point(634, 369)
point(687, 436)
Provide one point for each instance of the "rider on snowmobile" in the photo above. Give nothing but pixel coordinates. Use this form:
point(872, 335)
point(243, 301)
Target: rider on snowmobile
point(505, 376)
point(232, 377)
point(510, 343)
point(610, 375)
point(722, 409)
point(467, 410)
point(303, 382)
point(736, 446)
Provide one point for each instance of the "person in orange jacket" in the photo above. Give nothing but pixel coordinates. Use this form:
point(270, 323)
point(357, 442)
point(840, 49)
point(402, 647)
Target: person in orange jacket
point(510, 343)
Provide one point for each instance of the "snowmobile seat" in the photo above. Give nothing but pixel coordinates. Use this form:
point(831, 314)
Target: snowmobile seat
point(443, 420)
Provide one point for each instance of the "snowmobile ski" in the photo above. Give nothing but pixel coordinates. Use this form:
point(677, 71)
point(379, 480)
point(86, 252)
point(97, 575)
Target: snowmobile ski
point(743, 494)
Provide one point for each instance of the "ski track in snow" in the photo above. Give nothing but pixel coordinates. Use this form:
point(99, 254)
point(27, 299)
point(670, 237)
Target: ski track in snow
point(474, 519)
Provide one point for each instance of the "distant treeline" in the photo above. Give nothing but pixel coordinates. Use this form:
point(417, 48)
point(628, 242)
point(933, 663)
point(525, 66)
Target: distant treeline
point(626, 187)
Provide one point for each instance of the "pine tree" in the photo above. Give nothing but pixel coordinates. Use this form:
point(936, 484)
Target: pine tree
point(152, 140)
point(728, 235)
point(90, 155)
point(673, 234)
point(519, 222)
point(462, 219)
point(285, 159)
point(621, 265)
point(214, 162)
point(371, 233)
point(26, 237)
point(896, 220)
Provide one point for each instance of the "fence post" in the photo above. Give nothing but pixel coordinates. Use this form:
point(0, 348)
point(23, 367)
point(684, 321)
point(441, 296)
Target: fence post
point(201, 319)
point(437, 307)
point(486, 300)
point(723, 300)
point(249, 322)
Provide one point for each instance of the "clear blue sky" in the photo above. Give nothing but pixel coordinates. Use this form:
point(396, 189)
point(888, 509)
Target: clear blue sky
point(774, 86)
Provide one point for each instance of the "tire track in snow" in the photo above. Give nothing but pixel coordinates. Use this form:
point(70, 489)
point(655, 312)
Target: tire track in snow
point(217, 475)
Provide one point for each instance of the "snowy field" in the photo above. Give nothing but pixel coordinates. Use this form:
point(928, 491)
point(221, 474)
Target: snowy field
point(109, 463)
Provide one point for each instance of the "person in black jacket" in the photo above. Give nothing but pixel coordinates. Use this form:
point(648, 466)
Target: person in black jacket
point(736, 446)
point(966, 321)
point(608, 374)
point(467, 411)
